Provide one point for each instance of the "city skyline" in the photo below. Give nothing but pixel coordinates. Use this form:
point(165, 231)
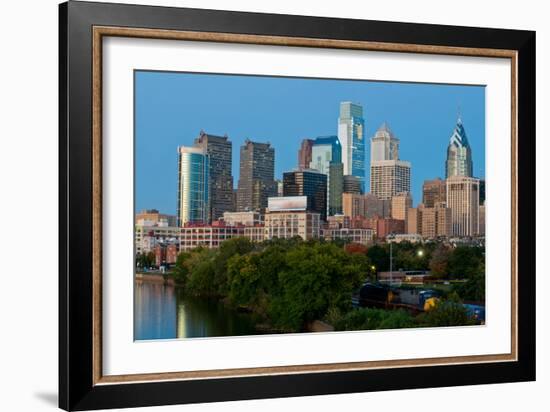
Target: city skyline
point(171, 112)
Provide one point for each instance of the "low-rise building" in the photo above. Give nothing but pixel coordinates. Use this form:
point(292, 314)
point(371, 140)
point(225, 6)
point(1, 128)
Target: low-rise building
point(255, 233)
point(243, 218)
point(148, 235)
point(386, 226)
point(362, 236)
point(208, 236)
point(288, 217)
point(404, 237)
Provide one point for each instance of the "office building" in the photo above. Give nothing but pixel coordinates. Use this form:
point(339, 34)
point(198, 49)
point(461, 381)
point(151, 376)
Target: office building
point(352, 184)
point(362, 236)
point(304, 154)
point(414, 220)
point(207, 236)
point(436, 221)
point(434, 191)
point(243, 218)
point(400, 204)
point(463, 200)
point(351, 127)
point(384, 145)
point(326, 157)
point(154, 217)
point(367, 205)
point(147, 236)
point(193, 201)
point(257, 176)
point(309, 183)
point(220, 179)
point(388, 175)
point(288, 217)
point(459, 154)
point(482, 220)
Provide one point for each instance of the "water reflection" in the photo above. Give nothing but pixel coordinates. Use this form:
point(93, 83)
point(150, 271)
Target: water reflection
point(165, 312)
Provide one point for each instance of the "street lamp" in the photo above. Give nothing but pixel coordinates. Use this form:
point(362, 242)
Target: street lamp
point(420, 253)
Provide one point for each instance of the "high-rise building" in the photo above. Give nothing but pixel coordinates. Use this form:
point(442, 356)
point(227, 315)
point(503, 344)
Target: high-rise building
point(351, 127)
point(384, 145)
point(220, 181)
point(335, 188)
point(193, 202)
point(309, 183)
point(459, 154)
point(367, 205)
point(388, 175)
point(256, 177)
point(482, 219)
point(400, 204)
point(481, 192)
point(414, 220)
point(326, 157)
point(304, 154)
point(436, 221)
point(352, 184)
point(463, 200)
point(434, 191)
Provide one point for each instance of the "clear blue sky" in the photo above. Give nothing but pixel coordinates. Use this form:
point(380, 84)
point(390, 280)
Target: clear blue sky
point(172, 108)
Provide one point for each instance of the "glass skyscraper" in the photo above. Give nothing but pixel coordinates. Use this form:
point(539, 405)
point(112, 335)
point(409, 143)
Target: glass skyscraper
point(459, 154)
point(310, 183)
point(351, 127)
point(193, 202)
point(326, 157)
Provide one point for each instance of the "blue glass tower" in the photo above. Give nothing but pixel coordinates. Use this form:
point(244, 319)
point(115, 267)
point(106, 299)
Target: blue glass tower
point(351, 127)
point(193, 201)
point(326, 157)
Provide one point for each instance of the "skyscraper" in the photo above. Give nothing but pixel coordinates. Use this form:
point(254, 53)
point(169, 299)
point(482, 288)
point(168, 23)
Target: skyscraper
point(463, 200)
point(351, 127)
point(326, 157)
point(304, 154)
point(352, 184)
point(434, 191)
point(193, 203)
point(256, 177)
point(400, 204)
point(384, 145)
point(310, 183)
point(459, 153)
point(220, 181)
point(388, 174)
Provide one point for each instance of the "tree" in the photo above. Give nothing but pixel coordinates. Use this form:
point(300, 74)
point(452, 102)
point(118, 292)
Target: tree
point(181, 268)
point(474, 287)
point(464, 261)
point(355, 248)
point(439, 261)
point(379, 257)
point(371, 318)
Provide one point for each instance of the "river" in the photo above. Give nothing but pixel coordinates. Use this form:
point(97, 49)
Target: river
point(165, 312)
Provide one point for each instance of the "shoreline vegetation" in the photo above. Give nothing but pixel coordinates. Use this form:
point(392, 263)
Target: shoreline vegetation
point(292, 285)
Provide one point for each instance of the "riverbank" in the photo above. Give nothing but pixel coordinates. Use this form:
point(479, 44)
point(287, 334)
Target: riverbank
point(155, 278)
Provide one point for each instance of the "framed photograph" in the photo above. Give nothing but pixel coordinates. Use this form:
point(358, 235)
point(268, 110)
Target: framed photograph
point(256, 205)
